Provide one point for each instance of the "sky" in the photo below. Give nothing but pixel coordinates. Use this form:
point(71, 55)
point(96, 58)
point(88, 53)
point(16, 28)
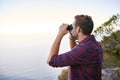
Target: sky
point(35, 16)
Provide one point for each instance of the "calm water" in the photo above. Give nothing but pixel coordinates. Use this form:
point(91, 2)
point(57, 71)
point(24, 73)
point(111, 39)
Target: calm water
point(23, 57)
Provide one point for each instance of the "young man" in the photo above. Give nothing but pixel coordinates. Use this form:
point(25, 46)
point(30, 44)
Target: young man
point(84, 58)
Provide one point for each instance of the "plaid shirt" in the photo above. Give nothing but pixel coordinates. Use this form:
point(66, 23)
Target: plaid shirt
point(85, 60)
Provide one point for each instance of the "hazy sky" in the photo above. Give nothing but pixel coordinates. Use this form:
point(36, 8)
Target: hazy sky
point(34, 16)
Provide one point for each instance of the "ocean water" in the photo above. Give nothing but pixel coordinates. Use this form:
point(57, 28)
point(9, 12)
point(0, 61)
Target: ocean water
point(23, 57)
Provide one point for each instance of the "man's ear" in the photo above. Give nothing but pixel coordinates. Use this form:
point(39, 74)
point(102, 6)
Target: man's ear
point(78, 29)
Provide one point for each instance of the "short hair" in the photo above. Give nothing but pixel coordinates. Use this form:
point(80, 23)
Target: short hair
point(85, 22)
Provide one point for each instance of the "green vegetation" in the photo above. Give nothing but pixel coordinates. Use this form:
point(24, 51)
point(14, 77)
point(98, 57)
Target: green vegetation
point(109, 32)
point(110, 60)
point(108, 27)
point(63, 75)
point(111, 44)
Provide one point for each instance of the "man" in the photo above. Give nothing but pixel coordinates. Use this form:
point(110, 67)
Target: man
point(84, 58)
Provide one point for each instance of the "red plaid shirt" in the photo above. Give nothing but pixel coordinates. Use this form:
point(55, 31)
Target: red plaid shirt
point(85, 60)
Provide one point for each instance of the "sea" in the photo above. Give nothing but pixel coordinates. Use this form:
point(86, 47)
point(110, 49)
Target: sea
point(24, 56)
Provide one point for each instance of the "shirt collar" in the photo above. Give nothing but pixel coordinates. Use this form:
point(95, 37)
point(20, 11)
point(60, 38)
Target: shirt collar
point(90, 37)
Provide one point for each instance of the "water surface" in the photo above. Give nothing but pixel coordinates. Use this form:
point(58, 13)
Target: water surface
point(23, 57)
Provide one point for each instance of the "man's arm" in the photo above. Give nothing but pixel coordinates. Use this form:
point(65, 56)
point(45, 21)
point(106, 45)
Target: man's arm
point(72, 43)
point(55, 47)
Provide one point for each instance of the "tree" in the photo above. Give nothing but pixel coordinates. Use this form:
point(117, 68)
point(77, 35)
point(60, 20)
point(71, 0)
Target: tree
point(111, 44)
point(110, 35)
point(108, 27)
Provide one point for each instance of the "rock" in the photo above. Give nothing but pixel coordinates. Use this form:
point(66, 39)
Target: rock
point(109, 73)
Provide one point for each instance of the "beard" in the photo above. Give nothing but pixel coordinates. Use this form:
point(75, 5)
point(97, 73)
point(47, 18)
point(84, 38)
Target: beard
point(75, 36)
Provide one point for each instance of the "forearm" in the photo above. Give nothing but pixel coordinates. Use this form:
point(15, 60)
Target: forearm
point(71, 40)
point(72, 43)
point(55, 47)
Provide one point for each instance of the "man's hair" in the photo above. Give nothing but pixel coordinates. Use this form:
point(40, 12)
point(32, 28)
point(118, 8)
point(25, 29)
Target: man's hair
point(85, 23)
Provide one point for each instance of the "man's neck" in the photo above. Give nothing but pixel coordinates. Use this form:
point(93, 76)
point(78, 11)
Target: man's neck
point(82, 37)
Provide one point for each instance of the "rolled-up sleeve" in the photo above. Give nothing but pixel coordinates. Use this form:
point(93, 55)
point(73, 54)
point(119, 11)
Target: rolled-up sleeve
point(77, 55)
point(62, 60)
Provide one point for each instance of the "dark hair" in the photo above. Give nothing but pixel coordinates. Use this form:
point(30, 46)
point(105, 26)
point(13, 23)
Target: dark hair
point(85, 23)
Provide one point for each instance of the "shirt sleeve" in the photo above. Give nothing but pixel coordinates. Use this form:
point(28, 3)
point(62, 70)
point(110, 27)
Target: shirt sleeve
point(78, 55)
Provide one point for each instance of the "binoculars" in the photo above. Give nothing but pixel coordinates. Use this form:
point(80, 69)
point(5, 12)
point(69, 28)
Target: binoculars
point(70, 27)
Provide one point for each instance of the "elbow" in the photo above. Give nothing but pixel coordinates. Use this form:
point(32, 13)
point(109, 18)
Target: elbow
point(51, 63)
point(54, 62)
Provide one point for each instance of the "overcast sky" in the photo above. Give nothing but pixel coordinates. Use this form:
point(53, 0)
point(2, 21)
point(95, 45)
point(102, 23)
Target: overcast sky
point(34, 16)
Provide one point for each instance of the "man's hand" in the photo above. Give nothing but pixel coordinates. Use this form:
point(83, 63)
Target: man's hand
point(63, 29)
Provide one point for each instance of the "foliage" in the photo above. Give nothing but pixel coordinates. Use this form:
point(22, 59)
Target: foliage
point(110, 35)
point(108, 27)
point(110, 60)
point(111, 44)
point(64, 74)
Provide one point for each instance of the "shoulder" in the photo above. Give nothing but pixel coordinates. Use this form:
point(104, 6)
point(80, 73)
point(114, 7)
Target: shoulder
point(79, 48)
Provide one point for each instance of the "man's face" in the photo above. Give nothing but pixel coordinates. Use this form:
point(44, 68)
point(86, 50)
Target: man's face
point(74, 31)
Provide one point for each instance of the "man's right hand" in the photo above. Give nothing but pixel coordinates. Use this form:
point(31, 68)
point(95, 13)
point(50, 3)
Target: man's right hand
point(63, 29)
